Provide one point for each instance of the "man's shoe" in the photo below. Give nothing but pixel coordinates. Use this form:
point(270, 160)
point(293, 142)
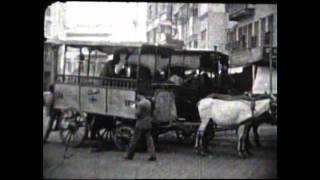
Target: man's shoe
point(152, 159)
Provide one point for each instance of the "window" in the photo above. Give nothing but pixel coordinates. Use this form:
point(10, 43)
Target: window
point(263, 25)
point(250, 35)
point(156, 9)
point(269, 30)
point(234, 36)
point(239, 33)
point(229, 40)
point(195, 12)
point(203, 34)
point(256, 35)
point(244, 37)
point(263, 30)
point(250, 32)
point(270, 23)
point(267, 38)
point(195, 44)
point(149, 11)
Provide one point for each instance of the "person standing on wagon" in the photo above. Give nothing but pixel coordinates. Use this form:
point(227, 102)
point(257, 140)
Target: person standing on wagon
point(142, 128)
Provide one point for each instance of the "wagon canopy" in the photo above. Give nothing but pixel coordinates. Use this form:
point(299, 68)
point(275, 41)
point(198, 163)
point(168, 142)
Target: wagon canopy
point(103, 46)
point(261, 76)
point(242, 59)
point(203, 59)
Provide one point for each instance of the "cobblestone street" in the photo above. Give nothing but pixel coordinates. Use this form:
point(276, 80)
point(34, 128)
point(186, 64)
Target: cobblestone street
point(175, 160)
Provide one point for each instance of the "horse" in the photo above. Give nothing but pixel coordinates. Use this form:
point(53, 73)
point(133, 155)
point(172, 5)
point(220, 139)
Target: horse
point(231, 112)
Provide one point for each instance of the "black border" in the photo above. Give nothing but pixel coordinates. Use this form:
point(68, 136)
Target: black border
point(31, 72)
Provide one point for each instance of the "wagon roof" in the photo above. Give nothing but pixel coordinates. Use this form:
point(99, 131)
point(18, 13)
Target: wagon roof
point(261, 62)
point(199, 52)
point(107, 46)
point(228, 97)
point(77, 43)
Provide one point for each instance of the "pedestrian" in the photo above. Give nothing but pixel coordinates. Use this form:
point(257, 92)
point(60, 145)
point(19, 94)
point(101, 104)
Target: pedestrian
point(142, 128)
point(50, 111)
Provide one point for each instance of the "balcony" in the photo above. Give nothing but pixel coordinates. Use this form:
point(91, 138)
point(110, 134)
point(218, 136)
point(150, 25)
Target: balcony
point(239, 11)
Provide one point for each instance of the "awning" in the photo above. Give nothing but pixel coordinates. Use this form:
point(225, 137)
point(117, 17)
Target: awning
point(261, 84)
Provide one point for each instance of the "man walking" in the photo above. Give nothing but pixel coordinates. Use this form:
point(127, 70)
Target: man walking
point(142, 128)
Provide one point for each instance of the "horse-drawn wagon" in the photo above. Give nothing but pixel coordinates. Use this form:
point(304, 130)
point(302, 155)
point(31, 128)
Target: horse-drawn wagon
point(96, 85)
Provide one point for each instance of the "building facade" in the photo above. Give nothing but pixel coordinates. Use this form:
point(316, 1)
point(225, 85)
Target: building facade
point(54, 29)
point(198, 26)
point(159, 23)
point(55, 21)
point(255, 29)
point(58, 28)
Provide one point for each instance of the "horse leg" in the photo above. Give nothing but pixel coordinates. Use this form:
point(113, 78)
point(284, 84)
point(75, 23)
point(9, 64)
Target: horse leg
point(240, 145)
point(197, 143)
point(200, 136)
point(201, 144)
point(208, 136)
point(248, 143)
point(256, 135)
point(246, 133)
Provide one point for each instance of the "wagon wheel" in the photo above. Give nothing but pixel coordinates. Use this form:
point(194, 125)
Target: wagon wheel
point(106, 134)
point(122, 136)
point(73, 129)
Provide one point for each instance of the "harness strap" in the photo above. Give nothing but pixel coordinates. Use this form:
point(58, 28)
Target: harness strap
point(253, 107)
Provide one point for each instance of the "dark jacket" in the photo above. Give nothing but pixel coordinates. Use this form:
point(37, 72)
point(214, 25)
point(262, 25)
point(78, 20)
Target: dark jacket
point(143, 114)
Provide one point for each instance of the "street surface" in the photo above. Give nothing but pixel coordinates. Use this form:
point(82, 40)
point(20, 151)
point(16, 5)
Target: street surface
point(174, 159)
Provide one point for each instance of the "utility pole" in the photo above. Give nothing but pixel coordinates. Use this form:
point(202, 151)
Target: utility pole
point(270, 63)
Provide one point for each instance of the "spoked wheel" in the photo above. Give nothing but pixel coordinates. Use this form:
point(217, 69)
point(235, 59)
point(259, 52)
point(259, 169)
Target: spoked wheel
point(73, 128)
point(122, 136)
point(106, 134)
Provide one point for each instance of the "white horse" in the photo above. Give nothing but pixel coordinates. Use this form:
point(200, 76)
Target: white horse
point(230, 112)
